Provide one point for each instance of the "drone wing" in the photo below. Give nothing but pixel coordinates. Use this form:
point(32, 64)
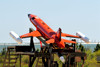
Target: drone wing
point(69, 35)
point(33, 34)
point(19, 38)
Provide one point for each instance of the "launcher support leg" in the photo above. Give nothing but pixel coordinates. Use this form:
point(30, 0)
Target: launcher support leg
point(49, 62)
point(44, 62)
point(31, 61)
point(20, 59)
point(32, 45)
point(68, 63)
point(9, 57)
point(74, 44)
point(83, 63)
point(32, 42)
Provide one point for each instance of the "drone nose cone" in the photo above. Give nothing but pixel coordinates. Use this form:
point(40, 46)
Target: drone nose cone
point(29, 15)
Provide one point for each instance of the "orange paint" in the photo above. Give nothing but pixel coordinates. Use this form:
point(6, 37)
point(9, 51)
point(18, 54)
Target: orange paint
point(42, 29)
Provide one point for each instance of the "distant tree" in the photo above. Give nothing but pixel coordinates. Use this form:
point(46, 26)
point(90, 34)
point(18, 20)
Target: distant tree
point(97, 48)
point(37, 50)
point(81, 47)
point(3, 52)
point(76, 46)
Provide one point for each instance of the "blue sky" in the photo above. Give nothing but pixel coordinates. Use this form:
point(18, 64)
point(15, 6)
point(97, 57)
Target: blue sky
point(70, 15)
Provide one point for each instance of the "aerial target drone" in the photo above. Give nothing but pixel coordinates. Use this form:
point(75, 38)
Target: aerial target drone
point(51, 37)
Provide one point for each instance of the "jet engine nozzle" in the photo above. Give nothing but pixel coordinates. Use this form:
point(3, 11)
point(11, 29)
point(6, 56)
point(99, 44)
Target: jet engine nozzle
point(83, 37)
point(15, 37)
